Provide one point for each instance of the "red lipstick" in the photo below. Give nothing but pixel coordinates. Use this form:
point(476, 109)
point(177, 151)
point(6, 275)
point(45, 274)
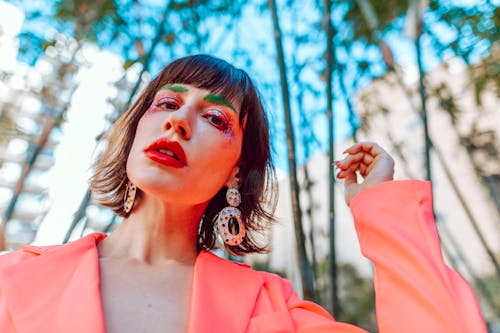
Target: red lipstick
point(166, 152)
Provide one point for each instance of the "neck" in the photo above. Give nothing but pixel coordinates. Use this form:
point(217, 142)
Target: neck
point(156, 232)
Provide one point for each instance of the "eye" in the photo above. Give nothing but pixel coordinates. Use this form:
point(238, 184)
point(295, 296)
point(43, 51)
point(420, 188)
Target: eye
point(167, 104)
point(218, 119)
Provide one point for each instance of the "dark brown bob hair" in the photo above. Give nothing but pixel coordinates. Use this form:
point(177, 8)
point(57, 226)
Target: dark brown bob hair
point(256, 171)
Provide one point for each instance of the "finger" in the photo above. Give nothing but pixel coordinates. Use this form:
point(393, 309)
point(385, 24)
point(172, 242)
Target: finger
point(349, 160)
point(350, 176)
point(363, 169)
point(360, 147)
point(374, 162)
point(368, 159)
point(350, 179)
point(368, 147)
point(360, 160)
point(352, 168)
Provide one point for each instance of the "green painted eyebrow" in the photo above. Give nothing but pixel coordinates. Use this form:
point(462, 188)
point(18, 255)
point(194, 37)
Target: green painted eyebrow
point(175, 88)
point(216, 99)
point(213, 98)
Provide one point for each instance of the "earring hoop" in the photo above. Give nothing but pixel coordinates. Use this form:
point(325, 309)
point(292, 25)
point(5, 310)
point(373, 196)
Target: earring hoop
point(129, 198)
point(230, 215)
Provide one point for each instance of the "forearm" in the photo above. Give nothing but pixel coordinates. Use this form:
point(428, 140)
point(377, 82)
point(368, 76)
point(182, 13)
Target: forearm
point(415, 290)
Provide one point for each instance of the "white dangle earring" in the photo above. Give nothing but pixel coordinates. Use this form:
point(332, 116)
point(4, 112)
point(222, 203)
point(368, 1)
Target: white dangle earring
point(229, 219)
point(129, 197)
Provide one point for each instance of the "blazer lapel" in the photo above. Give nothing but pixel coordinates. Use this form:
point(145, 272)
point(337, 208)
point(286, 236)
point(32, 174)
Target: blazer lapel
point(223, 295)
point(58, 291)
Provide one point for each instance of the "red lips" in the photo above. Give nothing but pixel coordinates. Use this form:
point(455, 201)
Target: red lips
point(166, 152)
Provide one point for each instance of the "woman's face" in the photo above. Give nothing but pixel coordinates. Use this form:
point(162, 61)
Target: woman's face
point(187, 145)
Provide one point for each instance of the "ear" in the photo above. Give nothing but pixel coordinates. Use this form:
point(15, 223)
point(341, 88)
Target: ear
point(234, 178)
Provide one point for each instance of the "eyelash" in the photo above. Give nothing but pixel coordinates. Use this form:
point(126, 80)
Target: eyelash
point(222, 122)
point(167, 101)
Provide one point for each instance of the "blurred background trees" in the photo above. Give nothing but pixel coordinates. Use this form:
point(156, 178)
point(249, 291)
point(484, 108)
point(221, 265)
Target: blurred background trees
point(332, 73)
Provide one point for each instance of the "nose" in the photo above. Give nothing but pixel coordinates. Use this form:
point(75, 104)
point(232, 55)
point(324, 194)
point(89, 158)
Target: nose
point(177, 121)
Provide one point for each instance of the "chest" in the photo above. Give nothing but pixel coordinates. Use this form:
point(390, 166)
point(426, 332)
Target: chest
point(139, 298)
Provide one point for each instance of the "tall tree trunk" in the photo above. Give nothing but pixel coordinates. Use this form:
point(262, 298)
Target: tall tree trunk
point(308, 186)
point(78, 215)
point(423, 105)
point(304, 264)
point(331, 153)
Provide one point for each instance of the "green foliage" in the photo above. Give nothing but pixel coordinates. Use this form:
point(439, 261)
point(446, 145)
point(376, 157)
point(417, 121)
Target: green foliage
point(357, 297)
point(492, 284)
point(260, 265)
point(384, 11)
point(48, 43)
point(474, 34)
point(8, 128)
point(88, 17)
point(485, 75)
point(472, 24)
point(356, 294)
point(446, 101)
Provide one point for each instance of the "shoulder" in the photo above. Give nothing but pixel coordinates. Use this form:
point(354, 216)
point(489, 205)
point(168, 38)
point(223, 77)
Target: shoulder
point(30, 252)
point(240, 266)
point(225, 265)
point(271, 283)
point(27, 252)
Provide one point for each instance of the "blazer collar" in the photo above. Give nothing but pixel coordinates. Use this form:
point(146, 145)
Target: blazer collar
point(59, 291)
point(223, 295)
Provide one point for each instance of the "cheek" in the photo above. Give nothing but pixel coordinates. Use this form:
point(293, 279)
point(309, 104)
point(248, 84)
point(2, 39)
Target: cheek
point(218, 160)
point(131, 165)
point(136, 148)
point(147, 128)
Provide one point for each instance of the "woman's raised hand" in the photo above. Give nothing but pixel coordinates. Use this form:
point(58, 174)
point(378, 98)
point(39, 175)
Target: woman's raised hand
point(372, 162)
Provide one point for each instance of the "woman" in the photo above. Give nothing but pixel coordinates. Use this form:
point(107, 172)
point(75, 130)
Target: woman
point(187, 164)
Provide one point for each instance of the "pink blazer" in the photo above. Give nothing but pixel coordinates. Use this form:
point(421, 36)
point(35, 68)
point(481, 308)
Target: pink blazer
point(56, 289)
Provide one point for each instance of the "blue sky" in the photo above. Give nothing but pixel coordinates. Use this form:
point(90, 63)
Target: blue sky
point(252, 34)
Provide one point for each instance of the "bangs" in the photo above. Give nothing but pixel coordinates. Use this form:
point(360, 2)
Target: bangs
point(215, 75)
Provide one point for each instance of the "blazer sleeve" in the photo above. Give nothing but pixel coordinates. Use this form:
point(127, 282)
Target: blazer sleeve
point(415, 290)
point(278, 308)
point(309, 317)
